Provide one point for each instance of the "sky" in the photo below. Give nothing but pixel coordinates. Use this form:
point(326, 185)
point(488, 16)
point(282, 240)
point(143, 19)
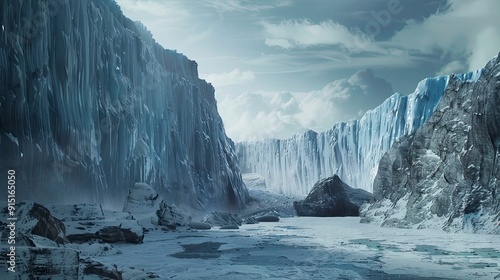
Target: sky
point(282, 67)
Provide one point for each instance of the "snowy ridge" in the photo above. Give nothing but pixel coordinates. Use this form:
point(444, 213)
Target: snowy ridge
point(350, 149)
point(91, 104)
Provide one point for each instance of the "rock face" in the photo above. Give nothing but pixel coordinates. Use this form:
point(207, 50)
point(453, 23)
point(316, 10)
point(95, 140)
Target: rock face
point(90, 104)
point(446, 175)
point(332, 198)
point(351, 149)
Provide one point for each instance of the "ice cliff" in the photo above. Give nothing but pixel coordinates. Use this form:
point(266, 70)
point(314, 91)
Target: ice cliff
point(446, 175)
point(91, 104)
point(350, 149)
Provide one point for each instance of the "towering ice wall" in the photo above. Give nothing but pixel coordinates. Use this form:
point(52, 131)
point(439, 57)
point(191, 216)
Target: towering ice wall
point(90, 104)
point(350, 149)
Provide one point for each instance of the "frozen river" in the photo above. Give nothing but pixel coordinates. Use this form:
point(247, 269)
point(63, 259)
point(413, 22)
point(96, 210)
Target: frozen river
point(313, 248)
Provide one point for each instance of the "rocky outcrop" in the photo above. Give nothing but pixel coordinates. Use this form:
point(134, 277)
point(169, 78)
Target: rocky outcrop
point(446, 175)
point(332, 198)
point(88, 222)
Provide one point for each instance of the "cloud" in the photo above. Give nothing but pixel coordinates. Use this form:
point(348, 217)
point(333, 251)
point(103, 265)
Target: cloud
point(153, 8)
point(256, 116)
point(230, 78)
point(289, 34)
point(464, 30)
point(223, 6)
point(455, 66)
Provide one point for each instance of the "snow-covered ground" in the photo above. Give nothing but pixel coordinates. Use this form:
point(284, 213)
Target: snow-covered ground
point(313, 248)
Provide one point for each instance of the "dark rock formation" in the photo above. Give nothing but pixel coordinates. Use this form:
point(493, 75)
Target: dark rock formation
point(446, 174)
point(199, 225)
point(268, 219)
point(222, 219)
point(117, 234)
point(34, 218)
point(332, 198)
point(230, 227)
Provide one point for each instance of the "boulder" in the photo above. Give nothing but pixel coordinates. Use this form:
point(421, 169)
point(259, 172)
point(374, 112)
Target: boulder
point(147, 206)
point(222, 219)
point(171, 217)
point(199, 225)
point(229, 227)
point(268, 218)
point(33, 218)
point(121, 234)
point(332, 198)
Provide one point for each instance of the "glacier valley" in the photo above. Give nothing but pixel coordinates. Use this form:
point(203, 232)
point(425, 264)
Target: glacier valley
point(351, 149)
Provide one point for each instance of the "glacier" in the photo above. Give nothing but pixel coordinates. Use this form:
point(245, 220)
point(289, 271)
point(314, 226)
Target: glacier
point(350, 149)
point(91, 104)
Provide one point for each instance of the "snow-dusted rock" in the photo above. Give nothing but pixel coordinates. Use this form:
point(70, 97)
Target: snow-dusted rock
point(171, 216)
point(88, 222)
point(332, 198)
point(446, 175)
point(36, 219)
point(77, 212)
point(121, 234)
point(91, 102)
point(222, 219)
point(350, 149)
point(148, 207)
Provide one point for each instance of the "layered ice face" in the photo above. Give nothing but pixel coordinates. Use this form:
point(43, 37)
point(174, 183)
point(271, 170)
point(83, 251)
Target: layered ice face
point(91, 104)
point(350, 149)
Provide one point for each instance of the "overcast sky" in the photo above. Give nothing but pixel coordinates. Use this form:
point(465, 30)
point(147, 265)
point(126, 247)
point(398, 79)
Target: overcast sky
point(281, 67)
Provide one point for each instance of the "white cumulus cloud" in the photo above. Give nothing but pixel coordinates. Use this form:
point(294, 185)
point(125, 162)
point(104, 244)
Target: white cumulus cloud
point(289, 34)
point(256, 116)
point(233, 77)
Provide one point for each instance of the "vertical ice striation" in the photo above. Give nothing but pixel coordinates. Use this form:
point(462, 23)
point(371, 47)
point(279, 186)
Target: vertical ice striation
point(350, 149)
point(90, 104)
